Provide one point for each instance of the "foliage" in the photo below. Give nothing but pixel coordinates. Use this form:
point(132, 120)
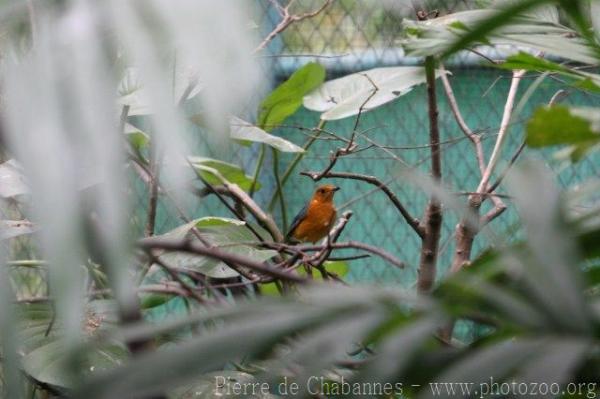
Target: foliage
point(287, 98)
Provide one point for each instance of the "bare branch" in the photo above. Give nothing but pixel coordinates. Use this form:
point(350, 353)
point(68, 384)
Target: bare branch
point(340, 245)
point(288, 19)
point(432, 219)
point(175, 276)
point(499, 208)
point(474, 138)
point(506, 116)
point(216, 253)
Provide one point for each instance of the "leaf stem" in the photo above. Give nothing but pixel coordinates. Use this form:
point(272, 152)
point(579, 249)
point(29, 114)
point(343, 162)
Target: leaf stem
point(257, 169)
point(295, 161)
point(279, 189)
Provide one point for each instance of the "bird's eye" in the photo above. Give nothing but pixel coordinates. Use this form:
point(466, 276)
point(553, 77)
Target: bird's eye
point(322, 191)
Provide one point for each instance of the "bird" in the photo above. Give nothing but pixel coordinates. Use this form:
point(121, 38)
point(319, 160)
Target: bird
point(315, 220)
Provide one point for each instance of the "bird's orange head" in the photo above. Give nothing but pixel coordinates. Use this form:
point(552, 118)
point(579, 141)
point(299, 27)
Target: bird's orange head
point(325, 193)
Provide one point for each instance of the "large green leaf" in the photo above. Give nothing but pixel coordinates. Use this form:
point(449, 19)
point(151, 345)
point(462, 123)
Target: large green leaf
point(287, 97)
point(344, 97)
point(229, 234)
point(137, 138)
point(561, 125)
point(338, 267)
point(232, 173)
point(246, 132)
point(47, 357)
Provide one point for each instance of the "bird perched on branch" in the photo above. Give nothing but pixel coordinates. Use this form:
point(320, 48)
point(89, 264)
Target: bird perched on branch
point(315, 220)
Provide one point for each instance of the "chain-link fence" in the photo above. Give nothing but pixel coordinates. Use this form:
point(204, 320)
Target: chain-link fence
point(354, 35)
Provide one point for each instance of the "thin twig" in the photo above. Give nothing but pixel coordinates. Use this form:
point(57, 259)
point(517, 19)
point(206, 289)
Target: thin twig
point(474, 138)
point(175, 276)
point(506, 116)
point(357, 245)
point(288, 19)
point(283, 208)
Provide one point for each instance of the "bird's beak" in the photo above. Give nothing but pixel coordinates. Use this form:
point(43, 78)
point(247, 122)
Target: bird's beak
point(335, 189)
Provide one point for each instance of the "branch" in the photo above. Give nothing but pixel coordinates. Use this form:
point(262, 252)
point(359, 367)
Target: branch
point(499, 205)
point(175, 276)
point(287, 19)
point(474, 138)
point(216, 253)
point(508, 107)
point(240, 195)
point(343, 245)
point(154, 170)
point(263, 218)
point(412, 221)
point(365, 247)
point(432, 220)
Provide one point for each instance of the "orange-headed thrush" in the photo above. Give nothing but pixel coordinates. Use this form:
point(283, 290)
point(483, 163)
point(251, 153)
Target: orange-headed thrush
point(315, 220)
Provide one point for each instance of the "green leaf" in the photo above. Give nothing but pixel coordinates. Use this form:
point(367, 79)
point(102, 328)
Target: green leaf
point(48, 358)
point(149, 301)
point(339, 267)
point(136, 137)
point(558, 125)
point(344, 97)
point(232, 173)
point(245, 132)
point(269, 289)
point(287, 97)
point(530, 62)
point(229, 234)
